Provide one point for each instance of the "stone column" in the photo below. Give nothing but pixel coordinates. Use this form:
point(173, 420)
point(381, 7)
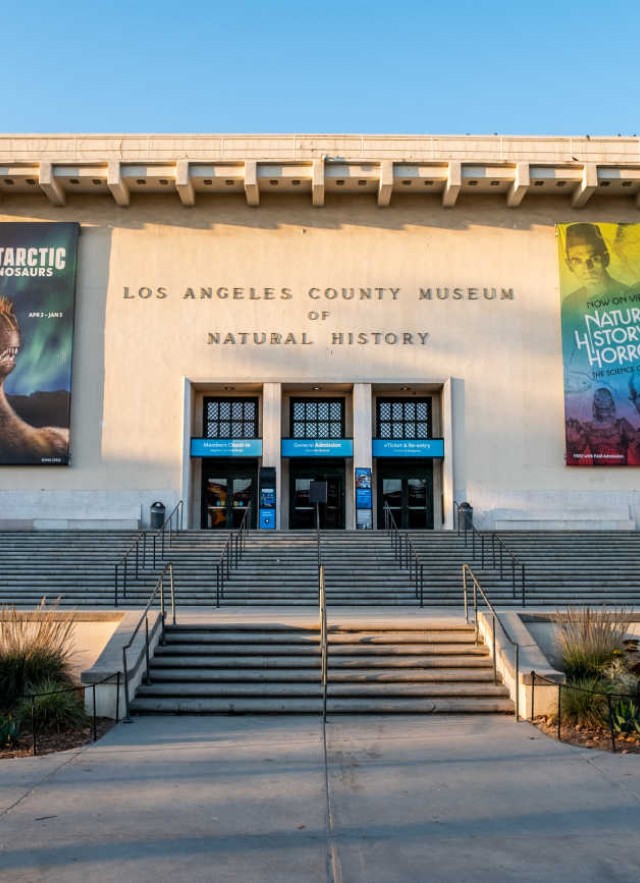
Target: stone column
point(272, 435)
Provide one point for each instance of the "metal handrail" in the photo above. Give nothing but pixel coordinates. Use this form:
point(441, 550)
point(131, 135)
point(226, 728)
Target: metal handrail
point(324, 641)
point(517, 566)
point(322, 602)
point(158, 590)
point(121, 573)
point(231, 553)
point(478, 590)
point(405, 553)
point(171, 525)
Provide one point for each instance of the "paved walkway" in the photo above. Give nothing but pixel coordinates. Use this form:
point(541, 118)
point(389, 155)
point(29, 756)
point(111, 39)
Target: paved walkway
point(244, 799)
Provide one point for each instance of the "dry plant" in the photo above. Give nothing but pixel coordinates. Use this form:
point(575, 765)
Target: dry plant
point(590, 639)
point(33, 647)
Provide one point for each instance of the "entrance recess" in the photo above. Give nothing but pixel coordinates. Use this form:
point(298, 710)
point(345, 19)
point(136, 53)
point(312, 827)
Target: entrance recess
point(406, 487)
point(228, 488)
point(301, 510)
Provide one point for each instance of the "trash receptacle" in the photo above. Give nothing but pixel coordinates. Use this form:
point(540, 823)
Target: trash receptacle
point(466, 516)
point(158, 511)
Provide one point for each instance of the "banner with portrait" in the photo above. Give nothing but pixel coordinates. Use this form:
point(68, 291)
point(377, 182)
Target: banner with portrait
point(600, 315)
point(37, 301)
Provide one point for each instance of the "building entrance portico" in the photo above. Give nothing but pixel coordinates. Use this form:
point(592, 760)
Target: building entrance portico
point(302, 512)
point(228, 488)
point(407, 489)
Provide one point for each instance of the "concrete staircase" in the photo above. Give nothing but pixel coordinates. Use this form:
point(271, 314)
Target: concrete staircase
point(240, 668)
point(279, 568)
point(77, 566)
point(578, 567)
point(360, 570)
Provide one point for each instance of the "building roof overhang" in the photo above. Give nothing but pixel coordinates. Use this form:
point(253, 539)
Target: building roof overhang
point(194, 167)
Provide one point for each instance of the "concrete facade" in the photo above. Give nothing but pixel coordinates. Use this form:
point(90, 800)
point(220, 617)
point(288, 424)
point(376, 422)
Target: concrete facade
point(289, 267)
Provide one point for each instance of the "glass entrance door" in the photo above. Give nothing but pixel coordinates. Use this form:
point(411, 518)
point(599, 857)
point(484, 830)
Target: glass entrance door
point(302, 512)
point(407, 489)
point(227, 490)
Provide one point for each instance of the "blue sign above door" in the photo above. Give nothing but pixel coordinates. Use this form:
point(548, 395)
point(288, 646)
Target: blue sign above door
point(408, 447)
point(317, 447)
point(226, 447)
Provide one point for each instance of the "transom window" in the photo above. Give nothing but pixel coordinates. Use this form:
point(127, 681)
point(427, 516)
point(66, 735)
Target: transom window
point(404, 418)
point(317, 418)
point(230, 418)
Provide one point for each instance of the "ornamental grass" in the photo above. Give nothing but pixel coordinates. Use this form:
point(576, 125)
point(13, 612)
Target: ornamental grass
point(32, 649)
point(590, 640)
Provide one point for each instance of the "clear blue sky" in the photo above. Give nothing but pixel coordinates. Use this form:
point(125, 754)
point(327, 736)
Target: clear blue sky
point(281, 66)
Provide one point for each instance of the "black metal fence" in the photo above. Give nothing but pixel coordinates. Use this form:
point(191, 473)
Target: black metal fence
point(617, 713)
point(38, 728)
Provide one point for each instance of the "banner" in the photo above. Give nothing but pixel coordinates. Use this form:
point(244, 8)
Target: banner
point(600, 310)
point(37, 298)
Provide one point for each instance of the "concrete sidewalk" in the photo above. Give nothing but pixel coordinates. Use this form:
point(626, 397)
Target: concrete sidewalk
point(244, 799)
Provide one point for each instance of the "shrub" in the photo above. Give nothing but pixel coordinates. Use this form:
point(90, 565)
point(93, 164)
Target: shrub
point(32, 649)
point(626, 716)
point(55, 706)
point(590, 640)
point(584, 702)
point(9, 730)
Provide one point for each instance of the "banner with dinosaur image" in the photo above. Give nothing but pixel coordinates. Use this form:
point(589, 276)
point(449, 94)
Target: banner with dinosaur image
point(600, 314)
point(37, 301)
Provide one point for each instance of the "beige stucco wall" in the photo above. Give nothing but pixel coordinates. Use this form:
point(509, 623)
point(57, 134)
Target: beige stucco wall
point(503, 356)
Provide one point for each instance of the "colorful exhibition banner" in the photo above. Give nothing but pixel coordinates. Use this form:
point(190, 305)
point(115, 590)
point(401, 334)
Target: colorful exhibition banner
point(600, 309)
point(37, 299)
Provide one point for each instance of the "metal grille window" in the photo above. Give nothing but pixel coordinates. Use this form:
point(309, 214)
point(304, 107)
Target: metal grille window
point(404, 418)
point(231, 418)
point(317, 418)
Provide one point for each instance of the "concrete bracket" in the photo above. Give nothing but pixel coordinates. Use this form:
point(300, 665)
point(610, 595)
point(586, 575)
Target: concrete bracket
point(251, 189)
point(317, 183)
point(385, 185)
point(50, 186)
point(587, 187)
point(521, 183)
point(116, 185)
point(453, 185)
point(184, 185)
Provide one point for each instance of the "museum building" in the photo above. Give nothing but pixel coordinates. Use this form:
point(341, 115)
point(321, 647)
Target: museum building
point(412, 321)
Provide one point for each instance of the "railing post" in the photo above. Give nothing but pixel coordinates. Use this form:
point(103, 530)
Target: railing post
point(518, 683)
point(421, 584)
point(146, 648)
point(464, 592)
point(533, 694)
point(611, 726)
point(559, 712)
point(475, 607)
point(118, 697)
point(162, 610)
point(493, 648)
point(173, 595)
point(95, 720)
